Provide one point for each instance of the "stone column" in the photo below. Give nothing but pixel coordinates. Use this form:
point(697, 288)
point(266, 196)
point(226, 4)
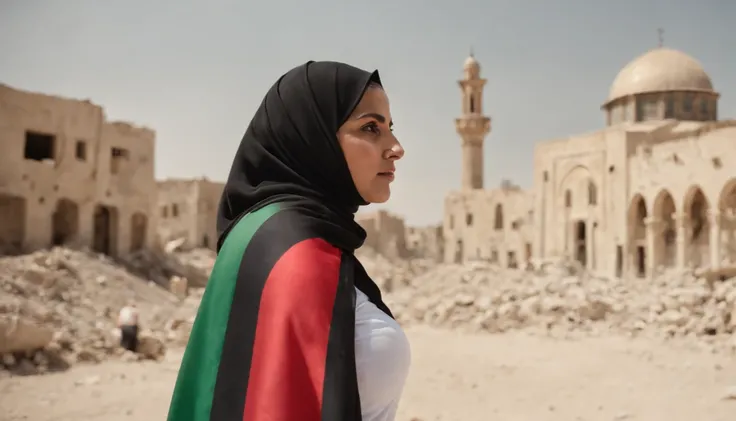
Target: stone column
point(715, 238)
point(654, 234)
point(728, 239)
point(682, 221)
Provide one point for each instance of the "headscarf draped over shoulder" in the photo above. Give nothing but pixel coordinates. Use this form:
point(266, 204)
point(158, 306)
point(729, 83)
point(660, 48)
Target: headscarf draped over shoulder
point(274, 335)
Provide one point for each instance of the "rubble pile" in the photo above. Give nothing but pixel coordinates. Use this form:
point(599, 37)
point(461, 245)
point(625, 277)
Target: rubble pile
point(179, 326)
point(59, 306)
point(160, 266)
point(390, 274)
point(562, 299)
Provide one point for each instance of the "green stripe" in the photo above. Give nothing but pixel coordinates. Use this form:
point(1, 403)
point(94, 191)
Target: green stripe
point(195, 385)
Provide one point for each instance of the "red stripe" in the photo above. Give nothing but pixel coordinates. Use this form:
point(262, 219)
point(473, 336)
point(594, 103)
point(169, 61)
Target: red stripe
point(290, 349)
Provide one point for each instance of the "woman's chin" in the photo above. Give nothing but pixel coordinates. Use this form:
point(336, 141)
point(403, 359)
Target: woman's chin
point(378, 195)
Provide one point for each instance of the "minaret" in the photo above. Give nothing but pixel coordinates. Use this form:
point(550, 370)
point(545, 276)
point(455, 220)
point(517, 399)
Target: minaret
point(472, 126)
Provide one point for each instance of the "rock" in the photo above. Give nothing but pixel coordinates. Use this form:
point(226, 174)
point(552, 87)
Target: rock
point(18, 334)
point(730, 394)
point(150, 347)
point(178, 286)
point(88, 381)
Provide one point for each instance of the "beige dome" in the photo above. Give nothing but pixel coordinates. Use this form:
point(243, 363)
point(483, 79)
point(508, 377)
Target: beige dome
point(471, 63)
point(661, 69)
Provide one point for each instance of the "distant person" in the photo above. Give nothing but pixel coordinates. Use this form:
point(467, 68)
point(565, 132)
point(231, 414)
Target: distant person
point(128, 324)
point(290, 326)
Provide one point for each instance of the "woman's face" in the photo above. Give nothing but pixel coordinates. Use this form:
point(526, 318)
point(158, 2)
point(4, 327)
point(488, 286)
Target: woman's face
point(370, 147)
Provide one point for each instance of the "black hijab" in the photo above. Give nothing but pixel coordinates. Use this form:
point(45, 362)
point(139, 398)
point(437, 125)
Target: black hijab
point(290, 151)
point(289, 154)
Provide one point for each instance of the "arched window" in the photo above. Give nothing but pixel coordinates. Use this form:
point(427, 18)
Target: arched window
point(592, 193)
point(568, 198)
point(498, 223)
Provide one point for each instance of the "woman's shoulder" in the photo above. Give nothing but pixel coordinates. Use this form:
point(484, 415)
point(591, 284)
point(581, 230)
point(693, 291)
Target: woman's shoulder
point(275, 234)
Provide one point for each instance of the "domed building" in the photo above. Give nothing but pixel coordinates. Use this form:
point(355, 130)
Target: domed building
point(661, 84)
point(653, 189)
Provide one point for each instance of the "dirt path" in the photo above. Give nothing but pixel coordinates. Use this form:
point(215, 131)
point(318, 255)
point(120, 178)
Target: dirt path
point(454, 377)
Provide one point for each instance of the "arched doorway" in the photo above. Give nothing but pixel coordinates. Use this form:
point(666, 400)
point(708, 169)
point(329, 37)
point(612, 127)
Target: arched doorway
point(105, 229)
point(637, 236)
point(666, 241)
point(459, 252)
point(698, 233)
point(64, 222)
point(581, 243)
point(727, 207)
point(12, 224)
point(138, 227)
point(498, 218)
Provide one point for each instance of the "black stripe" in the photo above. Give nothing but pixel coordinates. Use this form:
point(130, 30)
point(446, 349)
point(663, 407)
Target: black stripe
point(279, 233)
point(340, 399)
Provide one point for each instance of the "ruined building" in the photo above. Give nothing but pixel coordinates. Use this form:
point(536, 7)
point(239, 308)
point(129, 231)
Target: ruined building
point(488, 224)
point(386, 233)
point(68, 176)
point(425, 242)
point(654, 189)
point(188, 209)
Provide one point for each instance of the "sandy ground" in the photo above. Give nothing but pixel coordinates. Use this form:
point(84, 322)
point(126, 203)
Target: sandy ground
point(454, 377)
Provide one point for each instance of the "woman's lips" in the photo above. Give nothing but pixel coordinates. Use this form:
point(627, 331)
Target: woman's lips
point(388, 174)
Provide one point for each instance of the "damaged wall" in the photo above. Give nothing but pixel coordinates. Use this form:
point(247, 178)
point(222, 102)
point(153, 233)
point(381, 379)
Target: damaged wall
point(386, 233)
point(188, 209)
point(68, 176)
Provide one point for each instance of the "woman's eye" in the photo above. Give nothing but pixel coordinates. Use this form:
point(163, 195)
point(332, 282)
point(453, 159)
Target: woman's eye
point(371, 127)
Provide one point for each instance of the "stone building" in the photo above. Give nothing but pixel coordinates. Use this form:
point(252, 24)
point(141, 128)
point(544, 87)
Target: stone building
point(425, 242)
point(655, 188)
point(188, 209)
point(69, 176)
point(489, 224)
point(386, 233)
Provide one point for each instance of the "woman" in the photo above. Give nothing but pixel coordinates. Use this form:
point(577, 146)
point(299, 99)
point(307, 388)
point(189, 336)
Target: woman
point(290, 327)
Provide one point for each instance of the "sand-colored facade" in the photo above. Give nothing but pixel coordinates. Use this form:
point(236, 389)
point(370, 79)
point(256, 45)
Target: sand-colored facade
point(188, 209)
point(69, 176)
point(654, 189)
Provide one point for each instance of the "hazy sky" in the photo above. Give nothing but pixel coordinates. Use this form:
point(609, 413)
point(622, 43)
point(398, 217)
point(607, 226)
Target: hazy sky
point(195, 71)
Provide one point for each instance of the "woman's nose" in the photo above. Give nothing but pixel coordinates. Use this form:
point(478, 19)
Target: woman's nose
point(396, 151)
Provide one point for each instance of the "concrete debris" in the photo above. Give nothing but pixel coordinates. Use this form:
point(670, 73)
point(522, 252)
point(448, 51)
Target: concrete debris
point(59, 307)
point(179, 325)
point(178, 286)
point(561, 298)
point(175, 245)
point(392, 273)
point(17, 334)
point(195, 265)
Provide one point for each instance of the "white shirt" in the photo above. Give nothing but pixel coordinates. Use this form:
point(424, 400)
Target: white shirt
point(128, 316)
point(382, 360)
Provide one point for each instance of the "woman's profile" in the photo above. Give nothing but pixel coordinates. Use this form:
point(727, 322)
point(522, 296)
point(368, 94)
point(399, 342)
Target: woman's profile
point(290, 326)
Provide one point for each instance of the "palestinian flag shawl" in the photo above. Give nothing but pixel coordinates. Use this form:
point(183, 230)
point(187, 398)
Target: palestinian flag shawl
point(274, 336)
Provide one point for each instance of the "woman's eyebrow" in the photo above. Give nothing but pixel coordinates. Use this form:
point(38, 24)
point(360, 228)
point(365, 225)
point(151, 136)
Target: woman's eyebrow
point(381, 119)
